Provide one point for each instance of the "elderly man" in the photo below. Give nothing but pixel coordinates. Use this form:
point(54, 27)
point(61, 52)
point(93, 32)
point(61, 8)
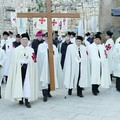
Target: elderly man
point(22, 84)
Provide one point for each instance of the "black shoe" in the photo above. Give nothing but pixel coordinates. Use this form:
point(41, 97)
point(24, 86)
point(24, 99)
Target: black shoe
point(49, 95)
point(27, 104)
point(45, 99)
point(21, 102)
point(83, 88)
point(0, 96)
point(70, 92)
point(95, 93)
point(80, 95)
point(45, 94)
point(118, 90)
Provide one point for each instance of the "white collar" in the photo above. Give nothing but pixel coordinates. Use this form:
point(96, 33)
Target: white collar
point(23, 47)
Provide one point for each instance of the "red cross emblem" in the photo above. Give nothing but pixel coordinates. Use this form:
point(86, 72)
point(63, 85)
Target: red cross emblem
point(34, 57)
point(54, 22)
point(42, 20)
point(108, 47)
point(60, 25)
point(87, 53)
point(105, 54)
point(35, 24)
point(64, 21)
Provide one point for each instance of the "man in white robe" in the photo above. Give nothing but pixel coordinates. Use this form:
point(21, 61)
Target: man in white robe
point(73, 34)
point(43, 68)
point(2, 61)
point(6, 45)
point(11, 38)
point(76, 67)
point(116, 67)
point(99, 71)
point(109, 45)
point(22, 83)
point(85, 40)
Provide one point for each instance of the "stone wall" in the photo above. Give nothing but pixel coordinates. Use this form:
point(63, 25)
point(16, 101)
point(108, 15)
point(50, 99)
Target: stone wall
point(106, 21)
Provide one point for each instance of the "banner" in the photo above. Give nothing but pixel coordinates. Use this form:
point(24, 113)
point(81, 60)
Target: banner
point(13, 19)
point(21, 25)
point(58, 24)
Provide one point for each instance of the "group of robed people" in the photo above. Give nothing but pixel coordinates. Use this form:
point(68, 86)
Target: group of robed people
point(78, 63)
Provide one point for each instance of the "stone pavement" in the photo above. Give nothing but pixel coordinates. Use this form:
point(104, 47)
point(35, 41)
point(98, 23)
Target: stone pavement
point(105, 106)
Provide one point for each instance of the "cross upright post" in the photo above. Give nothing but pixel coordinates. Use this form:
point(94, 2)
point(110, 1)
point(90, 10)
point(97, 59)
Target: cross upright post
point(49, 15)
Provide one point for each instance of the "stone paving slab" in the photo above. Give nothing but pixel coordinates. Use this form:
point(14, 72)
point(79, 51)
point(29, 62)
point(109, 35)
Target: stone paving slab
point(105, 106)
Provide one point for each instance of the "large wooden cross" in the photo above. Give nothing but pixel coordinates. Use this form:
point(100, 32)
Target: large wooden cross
point(49, 15)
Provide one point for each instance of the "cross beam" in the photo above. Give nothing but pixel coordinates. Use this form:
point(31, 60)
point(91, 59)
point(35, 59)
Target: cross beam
point(49, 15)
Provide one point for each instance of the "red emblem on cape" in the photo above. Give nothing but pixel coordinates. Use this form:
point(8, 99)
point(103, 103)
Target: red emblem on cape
point(34, 57)
point(105, 54)
point(87, 52)
point(108, 47)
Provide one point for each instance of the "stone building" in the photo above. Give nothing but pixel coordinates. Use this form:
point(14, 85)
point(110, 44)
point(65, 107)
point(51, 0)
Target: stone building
point(76, 6)
point(106, 21)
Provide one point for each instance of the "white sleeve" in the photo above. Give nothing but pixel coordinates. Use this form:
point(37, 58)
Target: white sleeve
point(2, 61)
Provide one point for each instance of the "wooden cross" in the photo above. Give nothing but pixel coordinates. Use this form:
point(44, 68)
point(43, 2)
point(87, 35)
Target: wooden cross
point(49, 15)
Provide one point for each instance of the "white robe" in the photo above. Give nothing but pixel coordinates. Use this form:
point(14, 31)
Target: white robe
point(14, 89)
point(2, 62)
point(117, 40)
point(97, 63)
point(11, 39)
point(71, 67)
point(73, 40)
point(43, 65)
point(116, 59)
point(8, 54)
point(86, 42)
point(110, 52)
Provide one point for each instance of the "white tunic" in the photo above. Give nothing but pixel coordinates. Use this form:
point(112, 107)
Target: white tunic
point(2, 61)
point(43, 65)
point(116, 59)
point(109, 48)
point(8, 44)
point(14, 88)
point(117, 41)
point(100, 73)
point(73, 40)
point(86, 42)
point(71, 67)
point(11, 39)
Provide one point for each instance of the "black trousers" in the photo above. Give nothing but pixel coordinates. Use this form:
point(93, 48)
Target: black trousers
point(79, 89)
point(118, 83)
point(23, 73)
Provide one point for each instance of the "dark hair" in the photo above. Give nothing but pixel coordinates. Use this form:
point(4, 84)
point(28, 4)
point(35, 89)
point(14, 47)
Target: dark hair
point(5, 33)
point(79, 38)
